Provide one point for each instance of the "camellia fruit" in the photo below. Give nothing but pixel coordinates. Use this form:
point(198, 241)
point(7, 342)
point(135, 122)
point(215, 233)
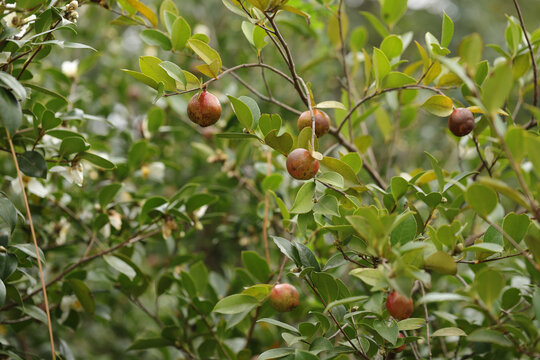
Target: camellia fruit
point(399, 306)
point(402, 347)
point(204, 109)
point(322, 121)
point(461, 122)
point(301, 165)
point(284, 297)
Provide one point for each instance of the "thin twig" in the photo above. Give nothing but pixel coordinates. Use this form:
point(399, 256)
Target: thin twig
point(212, 332)
point(512, 241)
point(34, 240)
point(474, 262)
point(358, 351)
point(475, 140)
point(344, 64)
point(428, 336)
point(533, 60)
point(83, 261)
point(266, 205)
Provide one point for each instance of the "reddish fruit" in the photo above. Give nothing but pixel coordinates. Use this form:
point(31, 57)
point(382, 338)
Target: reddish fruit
point(204, 109)
point(399, 306)
point(284, 297)
point(301, 165)
point(402, 347)
point(461, 122)
point(322, 121)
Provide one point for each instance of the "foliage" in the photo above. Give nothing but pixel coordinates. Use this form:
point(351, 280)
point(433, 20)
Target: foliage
point(154, 237)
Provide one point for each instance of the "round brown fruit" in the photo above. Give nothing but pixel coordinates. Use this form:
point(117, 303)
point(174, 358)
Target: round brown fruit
point(461, 122)
point(301, 165)
point(204, 109)
point(402, 347)
point(284, 297)
point(399, 306)
point(322, 121)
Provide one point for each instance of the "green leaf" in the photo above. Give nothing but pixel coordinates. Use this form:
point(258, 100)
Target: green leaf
point(150, 67)
point(149, 207)
point(199, 274)
point(411, 324)
point(376, 23)
point(174, 71)
point(481, 198)
point(497, 88)
point(83, 294)
point(279, 324)
point(256, 265)
point(237, 136)
point(204, 51)
point(341, 168)
point(405, 232)
point(150, 343)
point(268, 123)
point(156, 38)
point(439, 105)
point(276, 353)
point(392, 46)
point(485, 247)
point(303, 202)
point(107, 194)
point(516, 225)
point(369, 276)
point(389, 333)
point(32, 164)
point(396, 79)
point(198, 200)
point(334, 31)
point(449, 331)
point(489, 336)
point(253, 107)
point(287, 248)
point(9, 82)
point(330, 104)
point(242, 111)
point(282, 143)
point(326, 285)
point(489, 284)
point(399, 187)
point(11, 114)
point(502, 188)
point(72, 145)
point(120, 265)
point(447, 30)
point(441, 262)
point(180, 33)
point(49, 120)
point(391, 12)
point(142, 78)
point(272, 182)
point(381, 66)
point(235, 304)
point(8, 265)
point(307, 257)
point(470, 50)
point(144, 10)
point(97, 160)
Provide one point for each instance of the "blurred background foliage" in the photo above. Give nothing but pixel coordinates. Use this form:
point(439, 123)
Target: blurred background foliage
point(117, 108)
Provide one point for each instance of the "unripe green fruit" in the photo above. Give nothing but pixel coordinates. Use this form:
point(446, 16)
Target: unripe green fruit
point(284, 297)
point(461, 122)
point(204, 109)
point(399, 306)
point(301, 165)
point(322, 121)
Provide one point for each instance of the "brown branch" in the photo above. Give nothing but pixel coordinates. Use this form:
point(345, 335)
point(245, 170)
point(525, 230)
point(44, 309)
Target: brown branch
point(480, 155)
point(83, 261)
point(474, 262)
point(427, 321)
point(34, 240)
point(533, 60)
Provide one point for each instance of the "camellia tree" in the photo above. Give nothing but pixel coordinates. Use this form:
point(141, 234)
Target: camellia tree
point(386, 207)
